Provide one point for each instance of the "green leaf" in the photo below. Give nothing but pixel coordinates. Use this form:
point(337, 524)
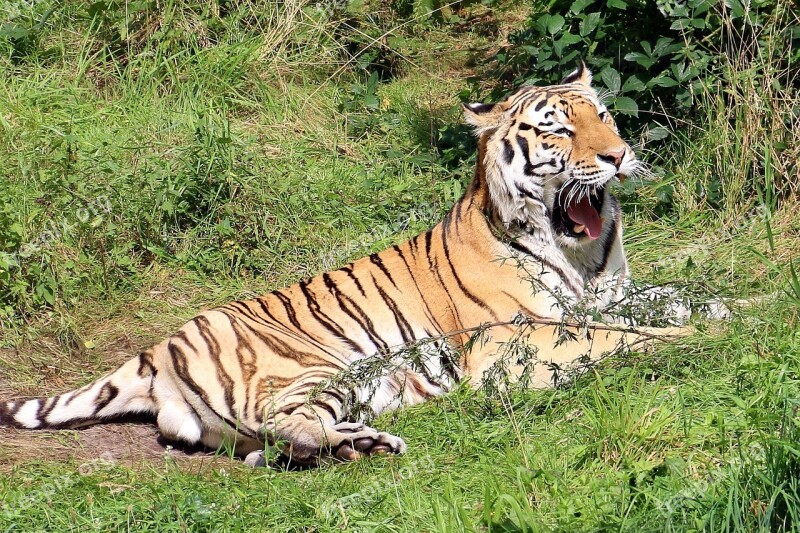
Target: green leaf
point(678, 71)
point(626, 106)
point(371, 101)
point(680, 11)
point(541, 24)
point(633, 84)
point(612, 79)
point(617, 4)
point(737, 8)
point(640, 59)
point(565, 40)
point(589, 23)
point(571, 58)
point(662, 81)
point(680, 24)
point(579, 5)
point(17, 229)
point(700, 7)
point(698, 23)
point(45, 292)
point(657, 134)
point(372, 82)
point(691, 72)
point(13, 31)
point(7, 261)
point(664, 194)
point(665, 46)
point(555, 24)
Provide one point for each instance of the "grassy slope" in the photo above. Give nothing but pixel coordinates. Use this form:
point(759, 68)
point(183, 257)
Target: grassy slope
point(683, 438)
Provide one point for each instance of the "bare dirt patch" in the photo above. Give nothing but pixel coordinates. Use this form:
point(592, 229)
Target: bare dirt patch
point(125, 443)
point(128, 441)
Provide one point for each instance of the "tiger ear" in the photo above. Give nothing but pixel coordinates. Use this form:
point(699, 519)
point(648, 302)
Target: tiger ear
point(482, 116)
point(580, 75)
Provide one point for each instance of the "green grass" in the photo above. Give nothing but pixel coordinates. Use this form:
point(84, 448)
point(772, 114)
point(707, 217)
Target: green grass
point(188, 169)
point(674, 441)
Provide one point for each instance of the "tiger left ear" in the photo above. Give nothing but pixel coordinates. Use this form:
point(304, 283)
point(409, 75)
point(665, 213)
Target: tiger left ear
point(579, 75)
point(482, 116)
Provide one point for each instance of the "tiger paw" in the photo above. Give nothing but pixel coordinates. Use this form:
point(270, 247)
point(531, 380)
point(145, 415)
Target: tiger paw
point(361, 440)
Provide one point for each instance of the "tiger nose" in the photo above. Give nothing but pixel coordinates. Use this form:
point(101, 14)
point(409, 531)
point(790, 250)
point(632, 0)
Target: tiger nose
point(614, 157)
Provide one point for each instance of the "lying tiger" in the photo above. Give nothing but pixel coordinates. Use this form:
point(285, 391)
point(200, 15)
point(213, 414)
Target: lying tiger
point(538, 207)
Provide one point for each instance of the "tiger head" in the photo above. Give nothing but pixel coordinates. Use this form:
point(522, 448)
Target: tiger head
point(549, 154)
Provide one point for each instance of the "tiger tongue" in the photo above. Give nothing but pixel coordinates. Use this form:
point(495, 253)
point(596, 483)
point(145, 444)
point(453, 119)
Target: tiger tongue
point(584, 214)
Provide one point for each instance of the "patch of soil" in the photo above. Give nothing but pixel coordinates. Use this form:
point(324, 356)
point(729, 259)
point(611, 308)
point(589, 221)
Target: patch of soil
point(127, 443)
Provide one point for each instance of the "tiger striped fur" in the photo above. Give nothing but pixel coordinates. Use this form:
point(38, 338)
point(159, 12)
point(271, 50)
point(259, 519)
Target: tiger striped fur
point(243, 373)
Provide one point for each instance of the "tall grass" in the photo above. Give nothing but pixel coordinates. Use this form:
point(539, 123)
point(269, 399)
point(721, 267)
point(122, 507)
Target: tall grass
point(746, 146)
point(175, 116)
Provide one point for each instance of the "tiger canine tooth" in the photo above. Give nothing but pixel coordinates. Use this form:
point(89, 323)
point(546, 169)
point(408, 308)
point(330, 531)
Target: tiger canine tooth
point(579, 228)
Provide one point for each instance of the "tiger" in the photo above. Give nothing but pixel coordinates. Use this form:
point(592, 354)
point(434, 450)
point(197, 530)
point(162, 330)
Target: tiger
point(537, 233)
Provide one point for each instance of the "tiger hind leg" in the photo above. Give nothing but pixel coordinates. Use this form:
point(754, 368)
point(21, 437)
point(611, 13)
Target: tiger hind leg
point(180, 421)
point(175, 417)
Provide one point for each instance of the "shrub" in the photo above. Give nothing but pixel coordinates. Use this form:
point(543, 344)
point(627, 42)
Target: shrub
point(721, 74)
point(651, 56)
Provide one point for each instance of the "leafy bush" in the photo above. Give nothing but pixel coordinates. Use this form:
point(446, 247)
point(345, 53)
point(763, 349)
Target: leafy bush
point(721, 74)
point(652, 56)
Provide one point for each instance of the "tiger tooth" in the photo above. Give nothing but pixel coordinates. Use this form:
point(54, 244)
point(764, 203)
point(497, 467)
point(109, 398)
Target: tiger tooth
point(622, 178)
point(579, 228)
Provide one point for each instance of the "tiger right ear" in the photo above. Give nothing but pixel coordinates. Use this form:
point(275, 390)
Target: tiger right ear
point(482, 116)
point(579, 75)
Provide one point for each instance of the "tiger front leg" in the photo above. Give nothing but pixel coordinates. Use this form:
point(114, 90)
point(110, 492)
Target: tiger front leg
point(309, 435)
point(656, 305)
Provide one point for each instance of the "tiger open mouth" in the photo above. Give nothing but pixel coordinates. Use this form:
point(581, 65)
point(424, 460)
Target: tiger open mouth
point(577, 209)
